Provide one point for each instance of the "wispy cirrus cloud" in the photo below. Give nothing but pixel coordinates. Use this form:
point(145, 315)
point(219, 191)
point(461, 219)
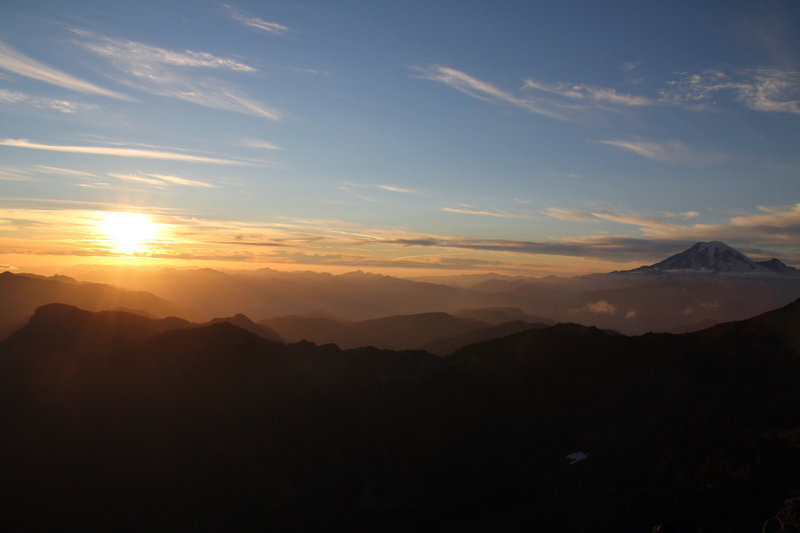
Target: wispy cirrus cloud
point(149, 55)
point(760, 89)
point(256, 22)
point(259, 143)
point(483, 90)
point(620, 216)
point(169, 73)
point(562, 101)
point(162, 180)
point(65, 171)
point(571, 214)
point(771, 90)
point(17, 98)
point(633, 219)
point(18, 63)
point(138, 179)
point(670, 152)
point(351, 188)
point(119, 152)
point(395, 188)
point(15, 174)
point(186, 182)
point(588, 93)
point(472, 210)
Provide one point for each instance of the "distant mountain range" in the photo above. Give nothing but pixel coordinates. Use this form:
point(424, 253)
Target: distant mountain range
point(113, 420)
point(707, 283)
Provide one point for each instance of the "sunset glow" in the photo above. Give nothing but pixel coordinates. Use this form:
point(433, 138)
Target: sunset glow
point(128, 233)
point(397, 140)
point(468, 265)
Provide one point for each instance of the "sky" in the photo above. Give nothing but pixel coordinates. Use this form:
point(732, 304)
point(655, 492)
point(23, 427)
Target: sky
point(526, 138)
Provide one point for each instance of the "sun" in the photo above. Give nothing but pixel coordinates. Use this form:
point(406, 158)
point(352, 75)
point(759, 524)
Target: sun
point(127, 233)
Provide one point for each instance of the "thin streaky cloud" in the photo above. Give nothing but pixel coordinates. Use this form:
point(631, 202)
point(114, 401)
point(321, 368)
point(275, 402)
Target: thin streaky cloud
point(670, 152)
point(66, 171)
point(571, 214)
point(119, 152)
point(259, 143)
point(171, 73)
point(394, 188)
point(138, 179)
point(35, 205)
point(584, 93)
point(620, 217)
point(149, 54)
point(481, 90)
point(633, 219)
point(13, 174)
point(353, 193)
point(18, 63)
point(560, 89)
point(177, 180)
point(16, 98)
point(483, 212)
point(562, 101)
point(256, 22)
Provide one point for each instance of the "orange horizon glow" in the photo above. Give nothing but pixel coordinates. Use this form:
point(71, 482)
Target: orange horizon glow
point(126, 232)
point(47, 242)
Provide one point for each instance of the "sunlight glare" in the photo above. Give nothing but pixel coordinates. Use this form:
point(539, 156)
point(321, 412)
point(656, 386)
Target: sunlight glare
point(128, 233)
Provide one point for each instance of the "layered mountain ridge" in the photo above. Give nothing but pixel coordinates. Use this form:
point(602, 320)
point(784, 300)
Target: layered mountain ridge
point(213, 426)
point(707, 283)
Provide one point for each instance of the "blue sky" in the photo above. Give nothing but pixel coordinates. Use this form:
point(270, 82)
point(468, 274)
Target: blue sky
point(535, 138)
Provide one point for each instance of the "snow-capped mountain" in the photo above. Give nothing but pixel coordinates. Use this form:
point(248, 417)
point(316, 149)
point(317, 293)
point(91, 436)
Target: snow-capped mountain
point(716, 256)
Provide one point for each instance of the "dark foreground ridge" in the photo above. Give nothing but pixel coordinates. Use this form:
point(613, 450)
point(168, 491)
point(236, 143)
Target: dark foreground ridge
point(115, 421)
